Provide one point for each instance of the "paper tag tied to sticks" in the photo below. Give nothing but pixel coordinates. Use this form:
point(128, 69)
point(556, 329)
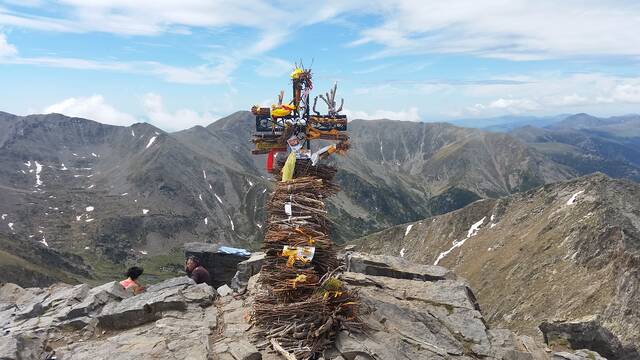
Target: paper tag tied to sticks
point(299, 253)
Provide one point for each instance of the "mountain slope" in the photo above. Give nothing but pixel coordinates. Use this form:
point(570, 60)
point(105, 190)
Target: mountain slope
point(561, 251)
point(118, 192)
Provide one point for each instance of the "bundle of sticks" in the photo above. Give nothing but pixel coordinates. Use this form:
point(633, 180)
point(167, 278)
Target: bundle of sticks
point(303, 304)
point(304, 168)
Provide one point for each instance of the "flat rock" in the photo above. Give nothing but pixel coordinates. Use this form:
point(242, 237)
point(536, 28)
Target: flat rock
point(395, 267)
point(244, 350)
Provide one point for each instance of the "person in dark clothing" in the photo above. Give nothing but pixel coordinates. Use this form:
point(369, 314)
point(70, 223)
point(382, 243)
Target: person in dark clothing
point(196, 271)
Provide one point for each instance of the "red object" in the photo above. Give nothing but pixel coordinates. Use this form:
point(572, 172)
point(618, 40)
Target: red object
point(271, 156)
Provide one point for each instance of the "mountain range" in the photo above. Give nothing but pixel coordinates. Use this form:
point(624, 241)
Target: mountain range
point(98, 197)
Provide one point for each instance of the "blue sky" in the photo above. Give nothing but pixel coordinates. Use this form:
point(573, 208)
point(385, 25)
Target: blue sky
point(181, 63)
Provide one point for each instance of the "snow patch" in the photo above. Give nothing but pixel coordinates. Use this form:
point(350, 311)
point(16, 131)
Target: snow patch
point(89, 208)
point(206, 221)
point(264, 191)
point(204, 174)
point(259, 226)
point(10, 226)
point(145, 211)
point(408, 229)
point(200, 197)
point(91, 186)
point(124, 194)
point(44, 241)
point(78, 217)
point(151, 141)
point(133, 133)
point(250, 183)
point(492, 225)
point(28, 163)
point(210, 187)
point(89, 220)
point(143, 252)
point(402, 252)
point(4, 216)
point(74, 154)
point(218, 197)
point(572, 200)
point(473, 231)
point(63, 168)
point(38, 170)
point(94, 155)
point(87, 248)
point(233, 228)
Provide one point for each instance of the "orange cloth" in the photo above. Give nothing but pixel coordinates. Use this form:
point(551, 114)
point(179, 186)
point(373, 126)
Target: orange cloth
point(128, 283)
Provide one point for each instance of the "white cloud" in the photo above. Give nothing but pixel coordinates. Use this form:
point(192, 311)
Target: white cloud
point(551, 93)
point(411, 114)
point(181, 119)
point(6, 49)
point(514, 106)
point(515, 30)
point(94, 108)
point(624, 93)
point(209, 73)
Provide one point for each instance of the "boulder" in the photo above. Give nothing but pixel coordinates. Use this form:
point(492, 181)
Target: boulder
point(395, 267)
point(172, 294)
point(224, 290)
point(587, 333)
point(221, 261)
point(414, 319)
point(246, 269)
point(96, 298)
point(22, 346)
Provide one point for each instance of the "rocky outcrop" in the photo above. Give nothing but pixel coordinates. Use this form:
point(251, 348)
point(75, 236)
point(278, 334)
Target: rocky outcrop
point(221, 261)
point(408, 312)
point(588, 333)
point(246, 269)
point(172, 319)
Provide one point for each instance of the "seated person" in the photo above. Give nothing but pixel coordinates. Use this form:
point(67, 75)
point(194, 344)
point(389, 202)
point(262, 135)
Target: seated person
point(196, 271)
point(131, 282)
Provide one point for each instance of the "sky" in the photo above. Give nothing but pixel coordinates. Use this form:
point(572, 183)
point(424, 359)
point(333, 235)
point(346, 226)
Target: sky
point(177, 64)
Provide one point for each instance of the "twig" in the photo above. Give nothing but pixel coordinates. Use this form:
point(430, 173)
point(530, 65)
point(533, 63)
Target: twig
point(283, 352)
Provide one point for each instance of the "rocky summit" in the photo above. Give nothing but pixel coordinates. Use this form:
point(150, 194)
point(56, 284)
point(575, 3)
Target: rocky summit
point(561, 259)
point(408, 311)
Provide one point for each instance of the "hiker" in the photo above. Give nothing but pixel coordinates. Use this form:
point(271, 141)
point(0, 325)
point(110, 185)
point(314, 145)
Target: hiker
point(196, 271)
point(131, 282)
